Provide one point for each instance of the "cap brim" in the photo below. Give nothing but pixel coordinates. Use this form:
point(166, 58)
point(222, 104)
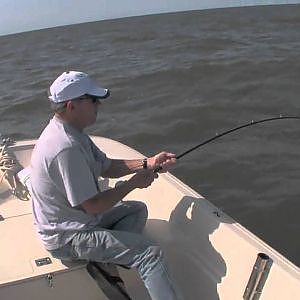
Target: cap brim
point(99, 92)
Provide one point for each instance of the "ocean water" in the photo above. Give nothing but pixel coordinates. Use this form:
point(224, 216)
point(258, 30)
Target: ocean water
point(177, 79)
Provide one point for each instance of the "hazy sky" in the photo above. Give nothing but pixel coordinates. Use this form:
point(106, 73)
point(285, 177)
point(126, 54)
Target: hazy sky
point(24, 15)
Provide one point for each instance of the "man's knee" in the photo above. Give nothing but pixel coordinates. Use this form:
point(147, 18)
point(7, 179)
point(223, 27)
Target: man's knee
point(139, 206)
point(143, 209)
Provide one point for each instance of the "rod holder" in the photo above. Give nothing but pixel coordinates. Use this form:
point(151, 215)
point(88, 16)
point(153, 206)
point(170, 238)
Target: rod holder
point(258, 277)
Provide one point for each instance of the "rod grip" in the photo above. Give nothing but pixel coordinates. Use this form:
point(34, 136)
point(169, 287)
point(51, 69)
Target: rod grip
point(157, 169)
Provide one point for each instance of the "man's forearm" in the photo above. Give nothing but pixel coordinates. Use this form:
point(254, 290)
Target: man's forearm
point(107, 199)
point(121, 167)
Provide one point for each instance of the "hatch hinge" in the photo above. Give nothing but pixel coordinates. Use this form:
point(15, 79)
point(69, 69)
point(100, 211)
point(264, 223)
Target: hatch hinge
point(49, 279)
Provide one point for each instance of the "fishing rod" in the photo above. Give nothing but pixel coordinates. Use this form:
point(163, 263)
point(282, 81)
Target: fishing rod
point(219, 135)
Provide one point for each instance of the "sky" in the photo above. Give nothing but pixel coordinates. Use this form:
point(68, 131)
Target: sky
point(25, 15)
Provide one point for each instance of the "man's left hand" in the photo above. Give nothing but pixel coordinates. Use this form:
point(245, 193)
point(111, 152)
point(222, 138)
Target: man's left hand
point(164, 160)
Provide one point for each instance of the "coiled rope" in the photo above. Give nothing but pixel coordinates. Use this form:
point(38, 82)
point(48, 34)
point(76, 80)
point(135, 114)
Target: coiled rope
point(9, 167)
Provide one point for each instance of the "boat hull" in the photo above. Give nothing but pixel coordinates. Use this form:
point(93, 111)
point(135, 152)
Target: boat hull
point(210, 256)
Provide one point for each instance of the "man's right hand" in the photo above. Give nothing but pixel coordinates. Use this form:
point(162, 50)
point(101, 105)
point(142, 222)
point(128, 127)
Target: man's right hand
point(143, 179)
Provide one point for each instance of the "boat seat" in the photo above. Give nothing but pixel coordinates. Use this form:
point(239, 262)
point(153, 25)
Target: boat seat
point(25, 254)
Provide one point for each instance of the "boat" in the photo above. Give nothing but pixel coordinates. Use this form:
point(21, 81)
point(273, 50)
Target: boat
point(210, 256)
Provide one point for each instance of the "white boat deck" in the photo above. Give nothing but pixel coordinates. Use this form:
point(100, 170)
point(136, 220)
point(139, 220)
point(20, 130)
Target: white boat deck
point(210, 256)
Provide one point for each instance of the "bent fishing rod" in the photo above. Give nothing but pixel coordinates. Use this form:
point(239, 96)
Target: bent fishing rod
point(219, 135)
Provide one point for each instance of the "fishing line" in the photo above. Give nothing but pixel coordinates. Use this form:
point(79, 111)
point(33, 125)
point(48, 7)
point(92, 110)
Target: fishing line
point(219, 135)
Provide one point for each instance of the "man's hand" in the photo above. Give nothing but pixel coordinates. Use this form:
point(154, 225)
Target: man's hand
point(162, 160)
point(142, 179)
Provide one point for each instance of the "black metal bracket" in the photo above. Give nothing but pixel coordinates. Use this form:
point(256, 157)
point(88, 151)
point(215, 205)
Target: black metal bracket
point(43, 261)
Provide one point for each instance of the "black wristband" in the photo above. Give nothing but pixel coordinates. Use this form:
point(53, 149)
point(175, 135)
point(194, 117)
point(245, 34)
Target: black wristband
point(145, 163)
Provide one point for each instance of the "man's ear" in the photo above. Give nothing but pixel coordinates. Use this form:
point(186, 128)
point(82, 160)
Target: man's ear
point(70, 105)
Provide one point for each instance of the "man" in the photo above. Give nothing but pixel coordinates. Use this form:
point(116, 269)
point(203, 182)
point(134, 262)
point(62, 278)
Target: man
point(74, 218)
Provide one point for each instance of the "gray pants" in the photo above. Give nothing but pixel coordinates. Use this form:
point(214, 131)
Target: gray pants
point(118, 240)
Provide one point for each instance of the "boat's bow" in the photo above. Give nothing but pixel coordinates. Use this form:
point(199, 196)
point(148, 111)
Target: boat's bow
point(210, 256)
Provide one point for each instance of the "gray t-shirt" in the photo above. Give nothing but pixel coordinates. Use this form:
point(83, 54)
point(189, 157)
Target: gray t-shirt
point(65, 166)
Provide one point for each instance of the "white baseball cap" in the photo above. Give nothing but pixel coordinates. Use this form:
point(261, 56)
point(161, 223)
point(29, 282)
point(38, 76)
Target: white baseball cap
point(72, 84)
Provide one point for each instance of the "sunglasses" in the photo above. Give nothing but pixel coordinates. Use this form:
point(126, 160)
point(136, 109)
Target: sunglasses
point(94, 99)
